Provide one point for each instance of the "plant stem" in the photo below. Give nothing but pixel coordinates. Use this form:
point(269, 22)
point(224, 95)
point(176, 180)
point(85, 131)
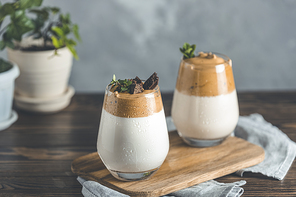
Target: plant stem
point(44, 34)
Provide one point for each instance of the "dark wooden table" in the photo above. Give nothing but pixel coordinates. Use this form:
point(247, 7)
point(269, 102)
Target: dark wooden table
point(36, 152)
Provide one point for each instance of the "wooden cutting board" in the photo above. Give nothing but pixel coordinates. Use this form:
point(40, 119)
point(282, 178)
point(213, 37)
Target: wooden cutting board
point(184, 166)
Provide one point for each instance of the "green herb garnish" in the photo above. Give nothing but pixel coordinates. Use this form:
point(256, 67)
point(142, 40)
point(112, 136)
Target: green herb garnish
point(121, 85)
point(188, 50)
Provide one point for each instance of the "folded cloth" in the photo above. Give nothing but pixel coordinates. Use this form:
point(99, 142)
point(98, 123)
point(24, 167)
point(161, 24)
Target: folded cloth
point(279, 150)
point(207, 189)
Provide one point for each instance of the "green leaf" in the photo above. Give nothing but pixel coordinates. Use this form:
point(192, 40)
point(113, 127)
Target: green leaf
point(114, 78)
point(38, 24)
point(70, 42)
point(4, 65)
point(58, 30)
point(65, 19)
point(5, 10)
point(129, 83)
point(193, 47)
point(25, 4)
point(123, 89)
point(40, 13)
point(55, 42)
point(76, 32)
point(73, 51)
point(61, 42)
point(20, 24)
point(186, 55)
point(9, 44)
point(55, 10)
point(66, 29)
point(2, 45)
point(188, 50)
point(186, 46)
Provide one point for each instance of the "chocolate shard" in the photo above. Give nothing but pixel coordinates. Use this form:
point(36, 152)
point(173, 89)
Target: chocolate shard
point(137, 86)
point(151, 82)
point(137, 80)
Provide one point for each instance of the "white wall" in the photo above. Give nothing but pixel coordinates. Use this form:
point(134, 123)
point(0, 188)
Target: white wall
point(138, 37)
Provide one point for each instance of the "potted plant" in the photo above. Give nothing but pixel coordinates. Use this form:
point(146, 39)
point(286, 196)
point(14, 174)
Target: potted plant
point(8, 71)
point(44, 56)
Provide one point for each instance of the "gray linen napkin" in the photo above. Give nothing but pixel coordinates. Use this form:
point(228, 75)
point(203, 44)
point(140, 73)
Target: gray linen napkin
point(279, 150)
point(207, 189)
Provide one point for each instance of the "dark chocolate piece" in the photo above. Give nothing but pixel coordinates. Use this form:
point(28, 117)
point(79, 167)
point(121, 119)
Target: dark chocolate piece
point(151, 82)
point(138, 80)
point(137, 86)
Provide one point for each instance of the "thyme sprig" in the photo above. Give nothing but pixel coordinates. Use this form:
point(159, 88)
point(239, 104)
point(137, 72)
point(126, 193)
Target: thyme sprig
point(188, 50)
point(121, 85)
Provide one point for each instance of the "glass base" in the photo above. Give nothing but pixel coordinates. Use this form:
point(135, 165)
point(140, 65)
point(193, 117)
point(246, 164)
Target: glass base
point(202, 143)
point(133, 176)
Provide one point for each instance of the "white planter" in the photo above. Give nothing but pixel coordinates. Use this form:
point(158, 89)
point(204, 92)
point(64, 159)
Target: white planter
point(6, 93)
point(42, 74)
point(45, 105)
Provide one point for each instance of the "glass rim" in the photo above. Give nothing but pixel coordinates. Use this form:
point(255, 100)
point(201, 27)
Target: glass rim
point(225, 57)
point(142, 94)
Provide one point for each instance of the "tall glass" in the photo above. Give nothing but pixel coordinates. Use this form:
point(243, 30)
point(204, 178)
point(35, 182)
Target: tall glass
point(205, 107)
point(133, 138)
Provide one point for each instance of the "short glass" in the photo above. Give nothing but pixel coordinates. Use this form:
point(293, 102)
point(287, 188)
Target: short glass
point(133, 137)
point(205, 107)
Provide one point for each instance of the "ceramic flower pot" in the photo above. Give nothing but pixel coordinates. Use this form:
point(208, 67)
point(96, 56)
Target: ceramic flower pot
point(45, 105)
point(42, 74)
point(7, 79)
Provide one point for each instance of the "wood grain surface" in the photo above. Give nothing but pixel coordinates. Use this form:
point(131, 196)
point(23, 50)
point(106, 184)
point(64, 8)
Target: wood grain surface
point(184, 167)
point(36, 152)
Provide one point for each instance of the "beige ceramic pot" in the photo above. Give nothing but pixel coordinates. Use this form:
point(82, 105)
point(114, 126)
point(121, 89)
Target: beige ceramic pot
point(42, 74)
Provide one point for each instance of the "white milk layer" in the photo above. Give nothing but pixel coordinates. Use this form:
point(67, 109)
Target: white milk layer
point(205, 117)
point(133, 144)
